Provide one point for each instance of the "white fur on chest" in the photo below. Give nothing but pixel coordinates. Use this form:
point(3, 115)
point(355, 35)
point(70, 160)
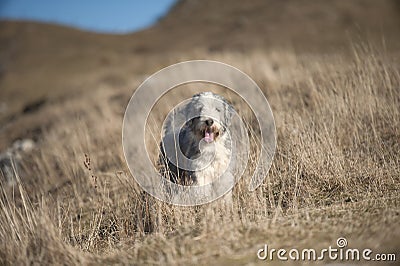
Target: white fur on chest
point(216, 168)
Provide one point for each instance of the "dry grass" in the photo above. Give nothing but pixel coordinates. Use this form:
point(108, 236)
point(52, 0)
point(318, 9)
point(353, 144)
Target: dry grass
point(335, 173)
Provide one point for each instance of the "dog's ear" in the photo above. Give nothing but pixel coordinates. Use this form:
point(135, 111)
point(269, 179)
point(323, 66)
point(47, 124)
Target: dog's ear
point(188, 113)
point(229, 111)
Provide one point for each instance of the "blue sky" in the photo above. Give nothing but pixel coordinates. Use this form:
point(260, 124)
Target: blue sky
point(119, 16)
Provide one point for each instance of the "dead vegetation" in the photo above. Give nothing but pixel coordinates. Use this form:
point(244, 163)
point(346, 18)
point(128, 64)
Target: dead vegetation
point(335, 173)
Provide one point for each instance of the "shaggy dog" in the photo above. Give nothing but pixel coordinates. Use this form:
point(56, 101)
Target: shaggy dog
point(197, 150)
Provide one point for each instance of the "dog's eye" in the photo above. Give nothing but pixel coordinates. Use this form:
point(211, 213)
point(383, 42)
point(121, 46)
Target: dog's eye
point(218, 110)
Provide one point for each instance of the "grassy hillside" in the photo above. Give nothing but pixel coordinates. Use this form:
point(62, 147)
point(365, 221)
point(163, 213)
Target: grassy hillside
point(330, 72)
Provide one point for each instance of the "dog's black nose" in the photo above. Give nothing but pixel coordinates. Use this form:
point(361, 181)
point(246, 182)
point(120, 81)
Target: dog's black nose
point(209, 122)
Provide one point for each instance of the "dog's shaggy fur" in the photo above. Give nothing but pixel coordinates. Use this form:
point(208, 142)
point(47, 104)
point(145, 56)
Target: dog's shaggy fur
point(202, 139)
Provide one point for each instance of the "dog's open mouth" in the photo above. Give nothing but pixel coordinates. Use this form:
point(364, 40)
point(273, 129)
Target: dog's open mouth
point(209, 136)
point(210, 133)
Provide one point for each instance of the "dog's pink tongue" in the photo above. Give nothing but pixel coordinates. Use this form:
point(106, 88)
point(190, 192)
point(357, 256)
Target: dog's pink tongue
point(209, 137)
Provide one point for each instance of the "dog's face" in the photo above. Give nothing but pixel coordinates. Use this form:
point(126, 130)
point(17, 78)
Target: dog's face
point(214, 116)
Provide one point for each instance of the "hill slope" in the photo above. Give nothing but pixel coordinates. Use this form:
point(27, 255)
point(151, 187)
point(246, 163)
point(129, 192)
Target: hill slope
point(38, 60)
